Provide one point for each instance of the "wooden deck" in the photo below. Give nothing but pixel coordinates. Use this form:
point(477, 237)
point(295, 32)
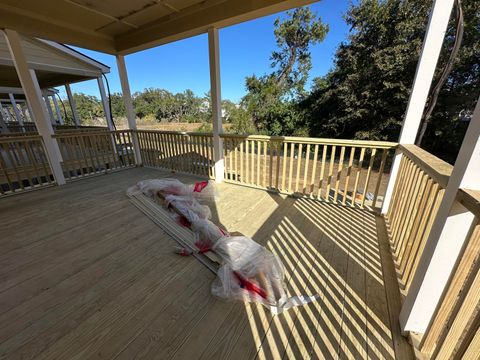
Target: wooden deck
point(84, 274)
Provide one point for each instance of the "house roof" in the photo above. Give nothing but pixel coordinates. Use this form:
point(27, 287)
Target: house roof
point(125, 26)
point(54, 64)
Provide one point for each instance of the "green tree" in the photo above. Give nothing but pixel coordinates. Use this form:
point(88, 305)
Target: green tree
point(89, 107)
point(366, 94)
point(118, 106)
point(270, 98)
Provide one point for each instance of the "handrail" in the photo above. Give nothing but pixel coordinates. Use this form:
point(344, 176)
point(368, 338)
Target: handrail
point(435, 167)
point(320, 141)
point(7, 139)
point(470, 199)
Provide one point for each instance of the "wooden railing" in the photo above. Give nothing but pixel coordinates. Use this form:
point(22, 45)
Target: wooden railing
point(23, 164)
point(177, 151)
point(30, 127)
point(454, 332)
point(89, 153)
point(348, 172)
point(416, 197)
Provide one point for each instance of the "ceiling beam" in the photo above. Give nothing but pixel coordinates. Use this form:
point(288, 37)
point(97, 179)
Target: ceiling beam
point(198, 19)
point(32, 24)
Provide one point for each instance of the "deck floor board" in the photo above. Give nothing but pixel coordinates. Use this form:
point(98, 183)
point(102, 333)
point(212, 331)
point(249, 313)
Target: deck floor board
point(85, 275)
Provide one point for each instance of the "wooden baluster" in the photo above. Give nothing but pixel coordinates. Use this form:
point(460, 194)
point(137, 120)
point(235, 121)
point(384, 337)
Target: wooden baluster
point(61, 147)
point(357, 176)
point(369, 172)
point(299, 162)
point(290, 169)
point(347, 179)
point(270, 152)
point(252, 174)
point(44, 161)
point(24, 166)
point(242, 177)
point(380, 173)
point(322, 172)
point(3, 164)
point(247, 177)
point(33, 161)
point(284, 165)
point(314, 169)
point(339, 173)
point(412, 169)
point(81, 145)
point(105, 144)
point(305, 172)
point(265, 151)
point(259, 149)
point(330, 173)
point(278, 147)
point(231, 146)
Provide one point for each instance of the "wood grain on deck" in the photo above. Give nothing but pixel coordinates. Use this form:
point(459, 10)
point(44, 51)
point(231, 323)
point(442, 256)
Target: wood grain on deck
point(84, 274)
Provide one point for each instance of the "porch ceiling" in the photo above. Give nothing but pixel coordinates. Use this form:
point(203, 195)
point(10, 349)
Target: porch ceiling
point(124, 26)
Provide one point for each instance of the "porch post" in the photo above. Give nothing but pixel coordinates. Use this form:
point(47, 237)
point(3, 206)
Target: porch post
point(18, 114)
point(127, 100)
point(214, 58)
point(446, 239)
point(106, 107)
point(33, 94)
point(432, 45)
point(73, 106)
point(57, 110)
point(49, 108)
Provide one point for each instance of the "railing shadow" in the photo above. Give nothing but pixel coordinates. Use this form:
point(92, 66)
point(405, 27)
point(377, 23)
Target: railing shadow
point(331, 251)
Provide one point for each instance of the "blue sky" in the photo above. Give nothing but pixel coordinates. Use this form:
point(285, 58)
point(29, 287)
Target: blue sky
point(244, 50)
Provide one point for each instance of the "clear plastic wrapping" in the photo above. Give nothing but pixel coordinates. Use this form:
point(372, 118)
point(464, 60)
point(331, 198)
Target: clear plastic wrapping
point(252, 273)
point(248, 271)
point(199, 190)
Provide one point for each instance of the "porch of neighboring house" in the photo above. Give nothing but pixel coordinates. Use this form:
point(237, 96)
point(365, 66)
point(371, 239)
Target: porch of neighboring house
point(91, 276)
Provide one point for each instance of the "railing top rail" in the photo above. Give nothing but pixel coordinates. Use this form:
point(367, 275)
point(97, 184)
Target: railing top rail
point(470, 199)
point(321, 141)
point(7, 139)
point(87, 133)
point(189, 133)
point(435, 167)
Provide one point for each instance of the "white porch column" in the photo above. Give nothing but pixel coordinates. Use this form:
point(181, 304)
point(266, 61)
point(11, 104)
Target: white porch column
point(432, 45)
point(57, 110)
point(18, 114)
point(214, 58)
point(106, 108)
point(446, 239)
point(33, 94)
point(49, 109)
point(73, 106)
point(127, 100)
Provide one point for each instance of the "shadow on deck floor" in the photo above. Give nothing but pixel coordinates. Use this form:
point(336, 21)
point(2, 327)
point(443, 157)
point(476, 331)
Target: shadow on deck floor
point(84, 274)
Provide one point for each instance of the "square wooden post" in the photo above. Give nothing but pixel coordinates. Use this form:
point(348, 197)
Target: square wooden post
point(214, 58)
point(127, 100)
point(106, 107)
point(73, 105)
point(432, 45)
point(33, 94)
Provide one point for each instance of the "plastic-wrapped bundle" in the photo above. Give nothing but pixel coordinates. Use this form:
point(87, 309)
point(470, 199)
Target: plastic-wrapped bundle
point(200, 190)
point(189, 207)
point(252, 273)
